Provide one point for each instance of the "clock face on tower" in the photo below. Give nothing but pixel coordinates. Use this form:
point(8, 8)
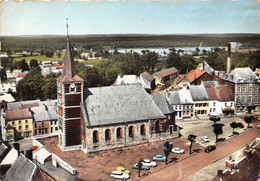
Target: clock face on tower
point(72, 87)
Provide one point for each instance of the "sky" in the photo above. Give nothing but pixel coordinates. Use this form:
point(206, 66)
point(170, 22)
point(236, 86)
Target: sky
point(130, 17)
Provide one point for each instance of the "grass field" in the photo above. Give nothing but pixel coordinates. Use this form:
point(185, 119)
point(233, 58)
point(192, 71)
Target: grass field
point(40, 58)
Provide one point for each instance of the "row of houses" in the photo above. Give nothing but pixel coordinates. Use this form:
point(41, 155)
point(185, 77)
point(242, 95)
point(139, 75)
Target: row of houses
point(201, 100)
point(24, 120)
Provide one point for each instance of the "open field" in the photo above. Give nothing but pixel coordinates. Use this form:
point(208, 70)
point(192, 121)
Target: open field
point(40, 58)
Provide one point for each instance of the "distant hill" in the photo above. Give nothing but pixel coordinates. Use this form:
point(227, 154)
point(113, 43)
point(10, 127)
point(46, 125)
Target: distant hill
point(32, 42)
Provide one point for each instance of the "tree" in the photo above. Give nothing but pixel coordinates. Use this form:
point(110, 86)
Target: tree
point(192, 139)
point(167, 150)
point(33, 63)
point(139, 167)
point(214, 119)
point(248, 120)
point(49, 53)
point(50, 88)
point(218, 130)
point(3, 76)
point(233, 125)
point(25, 66)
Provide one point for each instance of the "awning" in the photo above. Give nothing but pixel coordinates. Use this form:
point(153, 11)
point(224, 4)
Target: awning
point(228, 109)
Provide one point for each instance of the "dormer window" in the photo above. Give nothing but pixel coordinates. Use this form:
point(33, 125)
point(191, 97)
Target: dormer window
point(73, 88)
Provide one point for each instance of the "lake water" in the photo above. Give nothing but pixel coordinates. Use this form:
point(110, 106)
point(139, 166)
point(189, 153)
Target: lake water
point(165, 51)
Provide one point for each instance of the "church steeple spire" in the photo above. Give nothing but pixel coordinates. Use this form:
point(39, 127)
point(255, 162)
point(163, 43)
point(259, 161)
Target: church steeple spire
point(69, 71)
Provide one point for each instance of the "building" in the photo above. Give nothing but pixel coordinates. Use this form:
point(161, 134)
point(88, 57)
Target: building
point(201, 100)
point(145, 79)
point(165, 75)
point(181, 101)
point(194, 77)
point(22, 121)
point(124, 115)
point(246, 91)
point(45, 118)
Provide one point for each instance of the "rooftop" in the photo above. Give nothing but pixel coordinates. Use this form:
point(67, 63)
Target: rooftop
point(18, 114)
point(166, 72)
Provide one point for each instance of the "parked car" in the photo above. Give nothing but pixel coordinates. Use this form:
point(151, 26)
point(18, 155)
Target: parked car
point(143, 167)
point(205, 139)
point(149, 163)
point(210, 148)
point(123, 169)
point(119, 175)
point(178, 150)
point(240, 125)
point(159, 158)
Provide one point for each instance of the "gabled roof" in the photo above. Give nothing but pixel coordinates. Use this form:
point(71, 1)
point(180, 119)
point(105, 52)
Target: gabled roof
point(194, 74)
point(69, 71)
point(241, 75)
point(147, 76)
point(210, 83)
point(198, 93)
point(205, 66)
point(23, 169)
point(180, 78)
point(21, 75)
point(174, 98)
point(126, 79)
point(166, 72)
point(185, 96)
point(18, 114)
point(225, 93)
point(119, 104)
point(22, 104)
point(213, 94)
point(44, 113)
point(162, 103)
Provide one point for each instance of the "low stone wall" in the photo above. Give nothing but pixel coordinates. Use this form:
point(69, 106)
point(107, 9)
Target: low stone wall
point(57, 161)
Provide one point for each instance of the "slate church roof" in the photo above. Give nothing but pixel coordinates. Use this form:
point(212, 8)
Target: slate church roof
point(119, 104)
point(198, 93)
point(162, 103)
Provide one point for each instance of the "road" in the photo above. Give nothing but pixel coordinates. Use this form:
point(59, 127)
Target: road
point(186, 167)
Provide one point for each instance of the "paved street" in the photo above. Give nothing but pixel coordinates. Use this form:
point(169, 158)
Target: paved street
point(203, 127)
point(185, 168)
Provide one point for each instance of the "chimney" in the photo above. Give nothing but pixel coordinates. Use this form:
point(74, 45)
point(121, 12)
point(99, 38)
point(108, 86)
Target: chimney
point(229, 59)
point(17, 147)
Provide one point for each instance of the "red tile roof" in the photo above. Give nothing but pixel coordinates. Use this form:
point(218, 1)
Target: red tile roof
point(147, 76)
point(225, 93)
point(194, 74)
point(21, 75)
point(18, 114)
point(76, 78)
point(57, 66)
point(167, 72)
point(213, 94)
point(45, 75)
point(180, 78)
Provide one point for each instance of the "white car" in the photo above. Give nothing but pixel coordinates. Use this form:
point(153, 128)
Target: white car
point(205, 139)
point(119, 175)
point(178, 150)
point(149, 163)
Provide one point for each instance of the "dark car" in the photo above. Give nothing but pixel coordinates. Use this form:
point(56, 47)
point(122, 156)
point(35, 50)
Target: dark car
point(210, 148)
point(240, 125)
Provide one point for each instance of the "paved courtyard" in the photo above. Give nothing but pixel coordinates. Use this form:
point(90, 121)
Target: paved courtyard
point(203, 127)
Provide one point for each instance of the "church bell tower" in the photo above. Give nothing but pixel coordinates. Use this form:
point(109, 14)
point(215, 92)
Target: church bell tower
point(70, 98)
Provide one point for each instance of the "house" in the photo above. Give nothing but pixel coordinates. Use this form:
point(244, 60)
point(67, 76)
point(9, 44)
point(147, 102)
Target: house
point(22, 121)
point(20, 77)
point(222, 101)
point(45, 119)
point(247, 87)
point(201, 100)
point(164, 75)
point(181, 101)
point(194, 77)
point(145, 79)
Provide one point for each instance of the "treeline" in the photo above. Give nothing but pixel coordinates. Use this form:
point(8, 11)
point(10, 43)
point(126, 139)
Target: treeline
point(32, 43)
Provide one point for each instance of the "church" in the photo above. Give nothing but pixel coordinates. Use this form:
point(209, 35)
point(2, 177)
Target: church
point(95, 119)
